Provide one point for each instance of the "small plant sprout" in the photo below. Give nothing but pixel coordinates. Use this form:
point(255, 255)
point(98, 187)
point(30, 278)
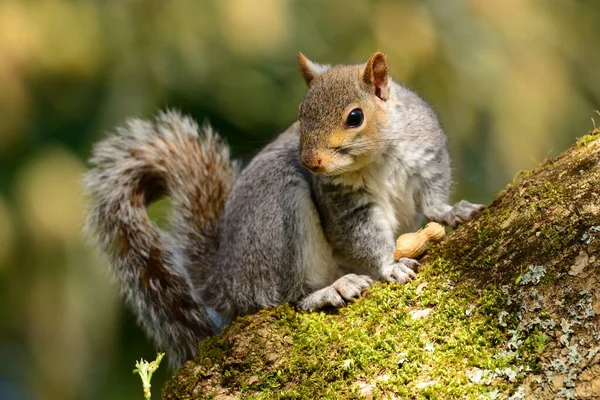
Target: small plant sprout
point(146, 369)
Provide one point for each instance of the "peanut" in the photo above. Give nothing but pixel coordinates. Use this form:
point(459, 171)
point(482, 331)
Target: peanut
point(412, 245)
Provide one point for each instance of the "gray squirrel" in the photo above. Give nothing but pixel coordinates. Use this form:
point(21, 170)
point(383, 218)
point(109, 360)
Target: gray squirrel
point(312, 220)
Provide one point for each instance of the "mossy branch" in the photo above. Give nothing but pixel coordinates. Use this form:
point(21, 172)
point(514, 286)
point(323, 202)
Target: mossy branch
point(506, 306)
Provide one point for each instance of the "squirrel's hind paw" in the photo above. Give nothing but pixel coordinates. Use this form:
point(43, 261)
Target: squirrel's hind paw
point(346, 288)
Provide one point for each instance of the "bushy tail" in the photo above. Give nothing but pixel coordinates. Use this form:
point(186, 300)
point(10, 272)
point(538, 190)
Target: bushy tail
point(155, 269)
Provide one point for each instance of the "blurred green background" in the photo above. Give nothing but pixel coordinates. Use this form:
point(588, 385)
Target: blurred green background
point(514, 81)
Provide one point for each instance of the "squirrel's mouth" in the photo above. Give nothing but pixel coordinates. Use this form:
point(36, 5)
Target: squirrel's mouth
point(327, 162)
point(332, 172)
point(316, 169)
point(325, 169)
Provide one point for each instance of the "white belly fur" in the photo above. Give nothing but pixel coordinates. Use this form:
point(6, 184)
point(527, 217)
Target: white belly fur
point(319, 264)
point(392, 193)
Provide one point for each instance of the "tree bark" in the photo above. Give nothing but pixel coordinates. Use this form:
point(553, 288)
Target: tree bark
point(506, 306)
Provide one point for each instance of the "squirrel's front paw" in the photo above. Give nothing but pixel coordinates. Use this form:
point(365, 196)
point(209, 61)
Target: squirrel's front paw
point(346, 288)
point(402, 271)
point(462, 211)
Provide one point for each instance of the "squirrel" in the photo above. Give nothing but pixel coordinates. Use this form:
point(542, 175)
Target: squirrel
point(311, 220)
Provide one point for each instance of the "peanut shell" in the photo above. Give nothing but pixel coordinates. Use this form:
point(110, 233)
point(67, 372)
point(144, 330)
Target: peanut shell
point(412, 245)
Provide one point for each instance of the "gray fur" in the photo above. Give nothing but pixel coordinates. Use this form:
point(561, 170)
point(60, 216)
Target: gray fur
point(274, 234)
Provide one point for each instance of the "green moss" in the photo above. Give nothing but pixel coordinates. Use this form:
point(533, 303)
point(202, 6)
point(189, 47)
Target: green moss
point(520, 174)
point(587, 139)
point(538, 342)
point(372, 345)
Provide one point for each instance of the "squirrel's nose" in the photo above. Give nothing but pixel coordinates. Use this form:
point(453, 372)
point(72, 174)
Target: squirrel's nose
point(313, 162)
point(318, 164)
point(314, 167)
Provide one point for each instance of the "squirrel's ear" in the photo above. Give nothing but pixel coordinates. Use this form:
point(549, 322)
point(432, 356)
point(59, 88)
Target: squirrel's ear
point(310, 69)
point(375, 75)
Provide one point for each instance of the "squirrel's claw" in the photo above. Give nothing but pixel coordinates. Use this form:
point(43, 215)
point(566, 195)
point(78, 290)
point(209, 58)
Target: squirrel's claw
point(345, 289)
point(400, 271)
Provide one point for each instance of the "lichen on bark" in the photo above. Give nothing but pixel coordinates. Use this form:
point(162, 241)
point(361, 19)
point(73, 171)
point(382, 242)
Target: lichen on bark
point(505, 307)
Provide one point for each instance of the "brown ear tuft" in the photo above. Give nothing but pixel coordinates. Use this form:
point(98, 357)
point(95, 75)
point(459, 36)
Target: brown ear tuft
point(305, 69)
point(376, 75)
point(309, 69)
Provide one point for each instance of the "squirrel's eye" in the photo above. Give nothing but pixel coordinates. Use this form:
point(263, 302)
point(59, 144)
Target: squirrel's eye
point(355, 118)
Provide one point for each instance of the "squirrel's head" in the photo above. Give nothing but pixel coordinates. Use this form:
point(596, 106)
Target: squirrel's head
point(342, 114)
